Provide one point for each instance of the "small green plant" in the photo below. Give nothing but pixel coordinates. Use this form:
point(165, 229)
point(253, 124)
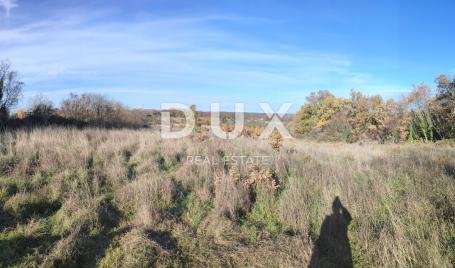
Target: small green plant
point(196, 211)
point(263, 215)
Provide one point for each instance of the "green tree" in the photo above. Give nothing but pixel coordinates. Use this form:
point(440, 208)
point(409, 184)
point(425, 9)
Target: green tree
point(421, 127)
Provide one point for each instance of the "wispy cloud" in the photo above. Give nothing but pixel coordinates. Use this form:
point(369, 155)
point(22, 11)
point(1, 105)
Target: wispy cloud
point(8, 5)
point(66, 92)
point(188, 53)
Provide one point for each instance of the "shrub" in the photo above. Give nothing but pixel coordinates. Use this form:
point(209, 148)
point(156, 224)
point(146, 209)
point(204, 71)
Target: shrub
point(97, 110)
point(276, 141)
point(261, 178)
point(41, 110)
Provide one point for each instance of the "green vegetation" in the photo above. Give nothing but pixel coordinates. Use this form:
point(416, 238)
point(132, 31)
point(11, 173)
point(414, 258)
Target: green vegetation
point(126, 198)
point(419, 116)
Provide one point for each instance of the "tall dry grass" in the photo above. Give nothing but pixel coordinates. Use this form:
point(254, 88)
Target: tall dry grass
point(127, 198)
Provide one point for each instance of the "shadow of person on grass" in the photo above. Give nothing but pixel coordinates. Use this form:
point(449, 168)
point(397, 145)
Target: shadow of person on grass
point(332, 248)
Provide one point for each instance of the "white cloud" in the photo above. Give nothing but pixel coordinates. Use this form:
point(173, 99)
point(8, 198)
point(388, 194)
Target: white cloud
point(8, 5)
point(184, 48)
point(66, 92)
point(184, 53)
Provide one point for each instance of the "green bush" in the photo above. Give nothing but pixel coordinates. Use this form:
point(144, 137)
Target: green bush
point(196, 211)
point(263, 215)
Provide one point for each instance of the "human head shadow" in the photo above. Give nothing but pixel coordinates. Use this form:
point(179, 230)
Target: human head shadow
point(332, 248)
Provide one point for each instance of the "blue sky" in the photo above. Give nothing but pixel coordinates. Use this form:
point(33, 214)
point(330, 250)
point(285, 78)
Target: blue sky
point(200, 51)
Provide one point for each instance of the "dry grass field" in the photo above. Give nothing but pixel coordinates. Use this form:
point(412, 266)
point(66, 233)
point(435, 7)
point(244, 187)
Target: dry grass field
point(126, 198)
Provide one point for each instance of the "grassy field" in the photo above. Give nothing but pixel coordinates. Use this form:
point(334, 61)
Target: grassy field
point(125, 198)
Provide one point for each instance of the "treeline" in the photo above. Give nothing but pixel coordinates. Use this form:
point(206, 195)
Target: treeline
point(80, 111)
point(77, 110)
point(422, 115)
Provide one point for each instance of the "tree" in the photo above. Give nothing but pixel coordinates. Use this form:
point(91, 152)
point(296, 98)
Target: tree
point(41, 109)
point(418, 98)
point(97, 110)
point(10, 89)
point(421, 126)
point(444, 107)
point(418, 115)
point(373, 118)
point(359, 113)
point(319, 107)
